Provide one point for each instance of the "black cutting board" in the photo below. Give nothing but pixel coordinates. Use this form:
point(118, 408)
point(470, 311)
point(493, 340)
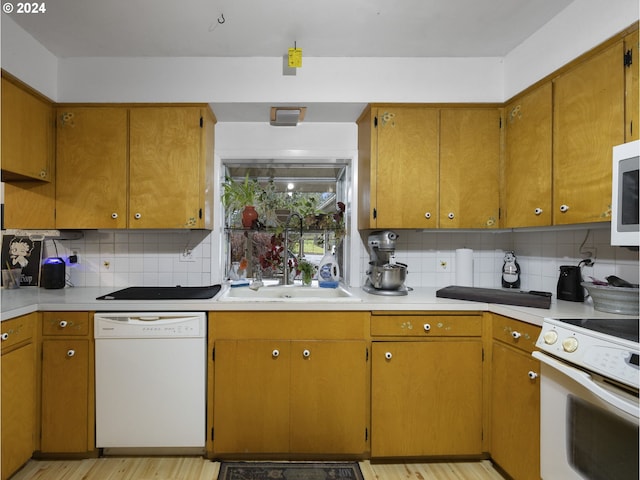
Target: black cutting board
point(497, 295)
point(163, 293)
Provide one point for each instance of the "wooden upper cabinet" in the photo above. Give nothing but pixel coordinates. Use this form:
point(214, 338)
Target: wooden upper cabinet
point(27, 134)
point(164, 169)
point(91, 167)
point(406, 173)
point(469, 167)
point(528, 157)
point(632, 93)
point(134, 167)
point(588, 121)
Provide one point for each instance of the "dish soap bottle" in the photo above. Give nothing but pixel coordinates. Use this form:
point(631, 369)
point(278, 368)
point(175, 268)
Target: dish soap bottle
point(328, 272)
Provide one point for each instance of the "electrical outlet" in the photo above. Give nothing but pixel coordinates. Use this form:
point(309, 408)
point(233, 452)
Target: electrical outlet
point(187, 255)
point(74, 257)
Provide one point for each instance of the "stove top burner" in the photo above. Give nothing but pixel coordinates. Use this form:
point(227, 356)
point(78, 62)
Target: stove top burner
point(625, 328)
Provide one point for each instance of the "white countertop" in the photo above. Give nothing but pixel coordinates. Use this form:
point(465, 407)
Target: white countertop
point(30, 299)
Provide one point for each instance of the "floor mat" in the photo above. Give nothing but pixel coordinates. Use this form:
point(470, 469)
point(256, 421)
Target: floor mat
point(290, 471)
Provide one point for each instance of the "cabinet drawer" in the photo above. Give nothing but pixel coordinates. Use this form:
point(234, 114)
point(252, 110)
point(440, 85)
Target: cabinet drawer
point(289, 325)
point(411, 325)
point(18, 330)
point(513, 332)
point(65, 323)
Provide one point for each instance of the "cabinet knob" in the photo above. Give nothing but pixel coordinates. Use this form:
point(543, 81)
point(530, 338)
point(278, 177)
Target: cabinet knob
point(4, 336)
point(137, 216)
point(516, 335)
point(451, 216)
point(532, 375)
point(564, 208)
point(62, 323)
point(275, 353)
point(427, 215)
point(114, 215)
point(306, 353)
point(537, 211)
point(426, 327)
point(388, 355)
point(43, 173)
point(71, 353)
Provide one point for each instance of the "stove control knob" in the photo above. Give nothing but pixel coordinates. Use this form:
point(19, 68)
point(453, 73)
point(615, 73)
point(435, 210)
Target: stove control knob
point(550, 337)
point(570, 345)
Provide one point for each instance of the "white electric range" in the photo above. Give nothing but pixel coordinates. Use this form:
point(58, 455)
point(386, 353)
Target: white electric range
point(589, 408)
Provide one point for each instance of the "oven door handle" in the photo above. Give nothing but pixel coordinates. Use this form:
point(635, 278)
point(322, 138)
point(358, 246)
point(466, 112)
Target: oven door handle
point(585, 380)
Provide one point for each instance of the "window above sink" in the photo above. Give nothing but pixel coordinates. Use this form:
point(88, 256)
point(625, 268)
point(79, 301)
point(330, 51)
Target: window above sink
point(302, 200)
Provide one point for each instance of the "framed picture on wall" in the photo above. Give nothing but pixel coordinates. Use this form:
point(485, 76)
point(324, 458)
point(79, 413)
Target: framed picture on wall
point(23, 253)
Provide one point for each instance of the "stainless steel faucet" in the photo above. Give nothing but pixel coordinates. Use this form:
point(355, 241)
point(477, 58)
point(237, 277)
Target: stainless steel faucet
point(285, 263)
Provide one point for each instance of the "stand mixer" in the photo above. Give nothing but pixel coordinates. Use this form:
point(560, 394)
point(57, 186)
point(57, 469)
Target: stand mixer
point(385, 276)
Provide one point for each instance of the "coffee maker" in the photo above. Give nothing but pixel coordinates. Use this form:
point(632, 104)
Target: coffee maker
point(385, 276)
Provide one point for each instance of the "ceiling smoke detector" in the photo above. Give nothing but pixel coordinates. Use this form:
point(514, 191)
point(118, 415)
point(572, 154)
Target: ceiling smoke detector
point(287, 116)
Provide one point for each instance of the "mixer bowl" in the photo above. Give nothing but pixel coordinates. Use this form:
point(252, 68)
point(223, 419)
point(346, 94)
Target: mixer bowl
point(387, 276)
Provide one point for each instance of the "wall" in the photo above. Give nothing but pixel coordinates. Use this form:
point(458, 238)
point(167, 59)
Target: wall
point(581, 26)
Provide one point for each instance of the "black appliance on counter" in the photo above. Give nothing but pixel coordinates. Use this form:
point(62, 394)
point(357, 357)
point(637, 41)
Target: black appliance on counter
point(569, 287)
point(163, 293)
point(54, 273)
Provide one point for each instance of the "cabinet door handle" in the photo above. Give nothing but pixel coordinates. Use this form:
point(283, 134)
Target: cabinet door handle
point(306, 353)
point(137, 216)
point(62, 323)
point(388, 355)
point(564, 208)
point(43, 173)
point(427, 215)
point(71, 353)
point(451, 216)
point(537, 211)
point(516, 335)
point(426, 327)
point(4, 336)
point(275, 353)
point(114, 215)
point(532, 375)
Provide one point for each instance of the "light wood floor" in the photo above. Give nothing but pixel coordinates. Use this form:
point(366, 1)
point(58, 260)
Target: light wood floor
point(192, 468)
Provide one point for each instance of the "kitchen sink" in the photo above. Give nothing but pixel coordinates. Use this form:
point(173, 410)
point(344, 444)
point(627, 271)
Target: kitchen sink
point(288, 293)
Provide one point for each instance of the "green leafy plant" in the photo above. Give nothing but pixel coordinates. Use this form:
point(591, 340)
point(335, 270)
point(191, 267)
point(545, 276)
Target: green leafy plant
point(238, 195)
point(307, 270)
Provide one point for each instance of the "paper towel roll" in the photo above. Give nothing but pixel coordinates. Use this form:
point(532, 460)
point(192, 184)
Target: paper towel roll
point(464, 267)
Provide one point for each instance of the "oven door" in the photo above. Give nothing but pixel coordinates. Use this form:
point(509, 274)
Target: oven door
point(588, 429)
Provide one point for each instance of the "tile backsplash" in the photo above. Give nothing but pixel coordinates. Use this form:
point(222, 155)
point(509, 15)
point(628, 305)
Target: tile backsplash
point(430, 256)
point(126, 258)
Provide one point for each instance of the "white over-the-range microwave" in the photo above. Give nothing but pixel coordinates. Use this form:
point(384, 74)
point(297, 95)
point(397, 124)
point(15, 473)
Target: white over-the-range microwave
point(624, 202)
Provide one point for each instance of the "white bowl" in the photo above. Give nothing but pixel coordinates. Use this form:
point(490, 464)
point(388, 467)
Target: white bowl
point(622, 300)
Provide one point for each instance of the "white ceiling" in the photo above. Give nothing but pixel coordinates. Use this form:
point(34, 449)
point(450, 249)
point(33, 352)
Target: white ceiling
point(267, 28)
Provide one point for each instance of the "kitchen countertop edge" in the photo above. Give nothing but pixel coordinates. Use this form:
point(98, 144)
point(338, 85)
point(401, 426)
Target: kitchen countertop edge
point(31, 299)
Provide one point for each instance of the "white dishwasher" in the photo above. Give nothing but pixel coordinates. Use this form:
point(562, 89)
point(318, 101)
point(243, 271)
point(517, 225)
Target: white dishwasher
point(150, 381)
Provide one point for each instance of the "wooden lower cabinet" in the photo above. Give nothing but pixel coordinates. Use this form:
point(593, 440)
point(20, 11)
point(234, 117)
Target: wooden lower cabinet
point(67, 388)
point(426, 398)
point(515, 399)
point(18, 397)
point(280, 396)
point(290, 383)
point(426, 384)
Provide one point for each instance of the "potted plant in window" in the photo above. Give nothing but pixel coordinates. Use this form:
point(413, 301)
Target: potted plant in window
point(307, 270)
point(241, 196)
